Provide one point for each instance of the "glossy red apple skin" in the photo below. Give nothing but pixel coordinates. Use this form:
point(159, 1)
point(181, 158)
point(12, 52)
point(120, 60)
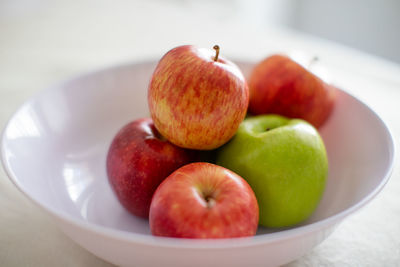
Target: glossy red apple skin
point(281, 86)
point(203, 200)
point(195, 101)
point(138, 160)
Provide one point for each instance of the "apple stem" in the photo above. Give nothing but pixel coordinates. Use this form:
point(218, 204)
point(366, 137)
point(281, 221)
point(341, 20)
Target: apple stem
point(216, 48)
point(210, 202)
point(312, 61)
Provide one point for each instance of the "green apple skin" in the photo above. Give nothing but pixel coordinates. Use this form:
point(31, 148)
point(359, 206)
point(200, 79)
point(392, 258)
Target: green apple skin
point(284, 161)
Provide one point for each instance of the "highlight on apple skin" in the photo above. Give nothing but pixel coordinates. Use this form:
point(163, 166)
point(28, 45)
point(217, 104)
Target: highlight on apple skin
point(138, 160)
point(197, 98)
point(203, 200)
point(279, 85)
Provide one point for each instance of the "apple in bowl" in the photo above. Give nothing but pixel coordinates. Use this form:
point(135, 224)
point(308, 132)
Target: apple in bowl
point(203, 200)
point(279, 85)
point(284, 161)
point(197, 98)
point(138, 160)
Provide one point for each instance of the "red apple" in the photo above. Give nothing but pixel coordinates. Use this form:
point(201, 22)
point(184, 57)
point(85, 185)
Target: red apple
point(138, 160)
point(203, 200)
point(280, 85)
point(196, 98)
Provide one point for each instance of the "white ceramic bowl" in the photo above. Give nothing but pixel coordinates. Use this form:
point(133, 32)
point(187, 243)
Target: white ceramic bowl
point(54, 150)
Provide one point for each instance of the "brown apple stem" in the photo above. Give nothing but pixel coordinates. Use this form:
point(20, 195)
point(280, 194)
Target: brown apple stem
point(313, 61)
point(216, 47)
point(210, 202)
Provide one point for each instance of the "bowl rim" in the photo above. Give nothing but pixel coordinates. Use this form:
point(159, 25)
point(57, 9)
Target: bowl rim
point(187, 243)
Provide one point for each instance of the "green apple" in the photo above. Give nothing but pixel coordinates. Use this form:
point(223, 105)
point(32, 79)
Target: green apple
point(284, 161)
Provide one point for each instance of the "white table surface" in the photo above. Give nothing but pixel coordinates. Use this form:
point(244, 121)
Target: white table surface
point(42, 42)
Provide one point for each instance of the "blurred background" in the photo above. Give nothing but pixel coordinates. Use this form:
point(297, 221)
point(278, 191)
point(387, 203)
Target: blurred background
point(369, 25)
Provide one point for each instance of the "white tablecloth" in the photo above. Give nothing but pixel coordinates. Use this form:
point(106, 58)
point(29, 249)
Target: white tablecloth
point(43, 42)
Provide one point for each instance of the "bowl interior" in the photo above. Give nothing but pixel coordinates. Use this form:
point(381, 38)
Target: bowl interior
point(55, 147)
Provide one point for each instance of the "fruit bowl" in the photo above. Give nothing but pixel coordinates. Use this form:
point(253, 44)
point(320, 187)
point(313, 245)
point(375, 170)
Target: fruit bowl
point(54, 150)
